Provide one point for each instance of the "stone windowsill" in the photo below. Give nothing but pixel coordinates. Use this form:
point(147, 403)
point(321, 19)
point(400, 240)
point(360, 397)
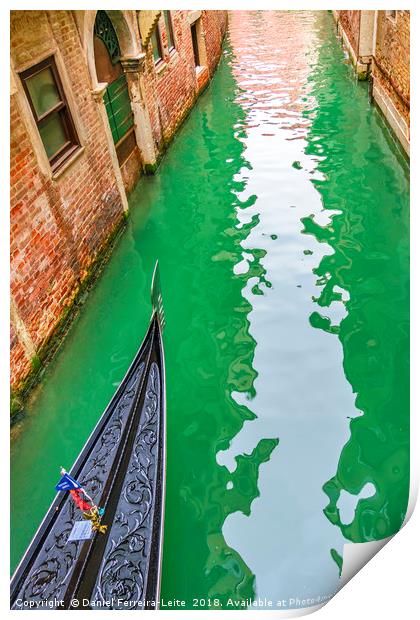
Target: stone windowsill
point(69, 162)
point(173, 54)
point(160, 67)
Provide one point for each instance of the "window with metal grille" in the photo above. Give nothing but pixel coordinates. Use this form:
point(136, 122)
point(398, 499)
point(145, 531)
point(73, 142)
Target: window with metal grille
point(50, 109)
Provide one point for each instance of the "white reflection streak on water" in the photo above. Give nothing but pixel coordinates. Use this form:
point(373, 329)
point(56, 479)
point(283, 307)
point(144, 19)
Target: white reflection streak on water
point(302, 397)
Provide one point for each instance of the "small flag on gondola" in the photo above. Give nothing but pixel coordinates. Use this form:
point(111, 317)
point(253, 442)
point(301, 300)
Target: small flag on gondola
point(78, 494)
point(67, 483)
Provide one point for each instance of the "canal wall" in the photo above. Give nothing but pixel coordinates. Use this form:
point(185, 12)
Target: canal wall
point(378, 43)
point(70, 175)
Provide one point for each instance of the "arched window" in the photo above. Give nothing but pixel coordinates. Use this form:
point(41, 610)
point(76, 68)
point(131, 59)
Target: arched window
point(116, 98)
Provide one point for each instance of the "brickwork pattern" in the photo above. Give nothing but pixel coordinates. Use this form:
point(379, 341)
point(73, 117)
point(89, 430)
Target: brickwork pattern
point(172, 86)
point(350, 22)
point(392, 59)
point(214, 25)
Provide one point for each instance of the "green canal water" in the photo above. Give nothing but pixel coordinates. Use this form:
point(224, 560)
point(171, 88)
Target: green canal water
point(279, 216)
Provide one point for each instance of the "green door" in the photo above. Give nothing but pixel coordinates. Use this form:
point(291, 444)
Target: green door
point(118, 107)
point(109, 69)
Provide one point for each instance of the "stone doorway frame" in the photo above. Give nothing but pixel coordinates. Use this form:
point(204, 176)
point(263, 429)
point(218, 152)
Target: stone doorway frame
point(132, 61)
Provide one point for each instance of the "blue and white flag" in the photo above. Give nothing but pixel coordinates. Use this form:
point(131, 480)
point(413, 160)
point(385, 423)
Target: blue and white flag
point(67, 483)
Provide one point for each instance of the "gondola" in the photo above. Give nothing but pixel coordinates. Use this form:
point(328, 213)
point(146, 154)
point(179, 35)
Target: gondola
point(123, 465)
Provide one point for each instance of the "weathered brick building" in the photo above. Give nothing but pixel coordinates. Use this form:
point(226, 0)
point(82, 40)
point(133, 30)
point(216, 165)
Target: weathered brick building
point(96, 96)
point(378, 43)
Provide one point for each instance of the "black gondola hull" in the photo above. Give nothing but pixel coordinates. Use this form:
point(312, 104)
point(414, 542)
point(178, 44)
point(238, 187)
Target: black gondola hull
point(122, 465)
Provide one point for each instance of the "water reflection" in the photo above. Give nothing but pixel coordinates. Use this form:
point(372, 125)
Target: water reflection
point(365, 189)
point(209, 348)
point(325, 163)
point(285, 540)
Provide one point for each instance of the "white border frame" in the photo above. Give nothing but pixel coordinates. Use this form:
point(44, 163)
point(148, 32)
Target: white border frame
point(387, 586)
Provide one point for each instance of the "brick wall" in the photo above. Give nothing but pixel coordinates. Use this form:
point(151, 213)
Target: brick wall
point(172, 86)
point(214, 26)
point(57, 226)
point(392, 59)
point(350, 22)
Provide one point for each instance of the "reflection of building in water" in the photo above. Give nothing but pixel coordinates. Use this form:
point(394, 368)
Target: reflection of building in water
point(271, 87)
point(368, 272)
point(96, 96)
point(379, 46)
point(225, 344)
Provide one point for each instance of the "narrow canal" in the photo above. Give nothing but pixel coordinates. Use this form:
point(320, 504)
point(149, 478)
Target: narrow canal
point(280, 219)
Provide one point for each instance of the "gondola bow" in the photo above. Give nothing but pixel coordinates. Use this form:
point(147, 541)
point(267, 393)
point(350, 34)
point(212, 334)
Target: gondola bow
point(123, 465)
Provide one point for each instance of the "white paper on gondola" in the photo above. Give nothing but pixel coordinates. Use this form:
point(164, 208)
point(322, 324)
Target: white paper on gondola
point(82, 530)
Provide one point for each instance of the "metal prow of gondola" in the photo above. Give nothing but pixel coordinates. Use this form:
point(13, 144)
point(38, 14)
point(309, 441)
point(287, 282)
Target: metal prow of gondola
point(156, 296)
point(122, 466)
